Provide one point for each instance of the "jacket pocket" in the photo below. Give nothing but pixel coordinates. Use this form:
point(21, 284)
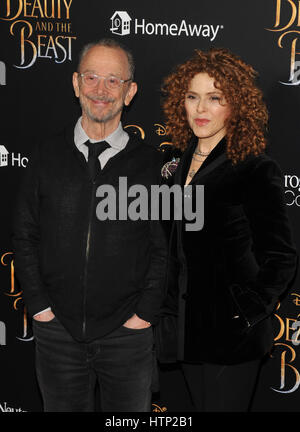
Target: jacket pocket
point(249, 306)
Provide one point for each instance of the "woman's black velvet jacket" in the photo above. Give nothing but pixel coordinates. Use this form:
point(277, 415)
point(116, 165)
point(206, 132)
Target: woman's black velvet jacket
point(234, 270)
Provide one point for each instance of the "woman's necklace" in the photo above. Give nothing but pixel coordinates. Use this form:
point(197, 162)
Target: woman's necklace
point(203, 155)
point(192, 173)
point(199, 160)
point(200, 153)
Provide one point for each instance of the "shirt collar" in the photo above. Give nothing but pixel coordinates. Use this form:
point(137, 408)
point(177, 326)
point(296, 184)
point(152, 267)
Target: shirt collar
point(115, 139)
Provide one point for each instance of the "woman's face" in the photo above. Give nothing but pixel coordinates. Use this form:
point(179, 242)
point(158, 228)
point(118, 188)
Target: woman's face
point(206, 108)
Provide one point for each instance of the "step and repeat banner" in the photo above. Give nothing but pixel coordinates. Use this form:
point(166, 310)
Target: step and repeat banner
point(40, 42)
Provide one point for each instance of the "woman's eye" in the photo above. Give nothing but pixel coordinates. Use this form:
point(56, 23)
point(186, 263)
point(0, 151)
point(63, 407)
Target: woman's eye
point(190, 96)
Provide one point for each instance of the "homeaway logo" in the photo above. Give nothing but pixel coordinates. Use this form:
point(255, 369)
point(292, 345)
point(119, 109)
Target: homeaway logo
point(121, 25)
point(15, 160)
point(3, 156)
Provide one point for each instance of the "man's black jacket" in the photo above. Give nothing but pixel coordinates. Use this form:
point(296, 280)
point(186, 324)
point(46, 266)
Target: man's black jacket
point(94, 274)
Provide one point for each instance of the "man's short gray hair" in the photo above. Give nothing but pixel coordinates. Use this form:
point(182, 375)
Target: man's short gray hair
point(109, 43)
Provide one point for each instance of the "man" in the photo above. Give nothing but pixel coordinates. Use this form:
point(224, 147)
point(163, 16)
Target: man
point(93, 287)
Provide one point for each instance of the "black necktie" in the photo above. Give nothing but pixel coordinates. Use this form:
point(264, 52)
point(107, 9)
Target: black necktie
point(95, 149)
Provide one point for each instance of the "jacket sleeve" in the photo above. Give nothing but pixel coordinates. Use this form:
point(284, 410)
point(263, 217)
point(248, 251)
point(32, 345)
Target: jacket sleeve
point(265, 208)
point(26, 238)
point(152, 295)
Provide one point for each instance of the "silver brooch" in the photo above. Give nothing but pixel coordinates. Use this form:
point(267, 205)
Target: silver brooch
point(169, 168)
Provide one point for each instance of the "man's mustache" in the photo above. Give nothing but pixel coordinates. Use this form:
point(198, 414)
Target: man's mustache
point(101, 98)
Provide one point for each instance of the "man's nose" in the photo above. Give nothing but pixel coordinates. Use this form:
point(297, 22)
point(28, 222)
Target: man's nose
point(101, 87)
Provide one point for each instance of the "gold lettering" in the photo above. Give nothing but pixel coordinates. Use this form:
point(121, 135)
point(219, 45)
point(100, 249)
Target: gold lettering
point(16, 296)
point(281, 330)
point(37, 5)
point(52, 15)
point(63, 27)
point(24, 42)
point(12, 271)
point(278, 15)
point(68, 8)
point(36, 9)
point(142, 133)
point(8, 11)
point(296, 300)
point(24, 338)
point(12, 292)
point(40, 45)
point(26, 4)
point(161, 130)
point(44, 26)
point(165, 143)
point(293, 55)
point(157, 408)
point(8, 8)
point(284, 366)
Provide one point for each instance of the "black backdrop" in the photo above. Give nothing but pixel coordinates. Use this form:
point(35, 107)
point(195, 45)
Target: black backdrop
point(38, 55)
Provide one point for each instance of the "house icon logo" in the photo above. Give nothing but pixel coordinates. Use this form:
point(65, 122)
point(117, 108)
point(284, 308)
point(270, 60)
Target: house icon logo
point(3, 156)
point(120, 23)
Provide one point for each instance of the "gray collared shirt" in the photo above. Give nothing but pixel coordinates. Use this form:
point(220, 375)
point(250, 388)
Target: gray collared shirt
point(117, 140)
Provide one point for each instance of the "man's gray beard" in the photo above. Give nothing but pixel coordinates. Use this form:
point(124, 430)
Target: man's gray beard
point(109, 116)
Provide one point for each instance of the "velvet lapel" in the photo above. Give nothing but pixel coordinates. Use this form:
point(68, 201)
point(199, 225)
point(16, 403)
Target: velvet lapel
point(216, 158)
point(184, 162)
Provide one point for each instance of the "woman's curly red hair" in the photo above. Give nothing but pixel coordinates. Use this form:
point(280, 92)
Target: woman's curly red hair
point(246, 126)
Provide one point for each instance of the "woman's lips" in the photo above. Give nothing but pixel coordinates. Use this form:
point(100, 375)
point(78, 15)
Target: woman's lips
point(201, 122)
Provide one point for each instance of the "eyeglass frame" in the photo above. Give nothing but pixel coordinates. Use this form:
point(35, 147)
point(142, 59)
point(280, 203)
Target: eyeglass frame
point(105, 78)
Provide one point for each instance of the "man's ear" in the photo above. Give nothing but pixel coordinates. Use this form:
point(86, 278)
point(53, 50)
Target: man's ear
point(130, 93)
point(75, 83)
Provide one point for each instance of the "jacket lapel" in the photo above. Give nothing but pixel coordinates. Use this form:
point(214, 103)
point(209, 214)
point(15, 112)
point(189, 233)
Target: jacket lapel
point(183, 166)
point(216, 158)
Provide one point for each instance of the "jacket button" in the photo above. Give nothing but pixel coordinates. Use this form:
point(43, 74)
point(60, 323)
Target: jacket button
point(184, 296)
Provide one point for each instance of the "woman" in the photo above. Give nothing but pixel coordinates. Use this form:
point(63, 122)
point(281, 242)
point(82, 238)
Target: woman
point(234, 270)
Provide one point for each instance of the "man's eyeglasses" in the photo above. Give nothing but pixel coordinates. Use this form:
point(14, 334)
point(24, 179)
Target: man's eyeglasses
point(111, 82)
